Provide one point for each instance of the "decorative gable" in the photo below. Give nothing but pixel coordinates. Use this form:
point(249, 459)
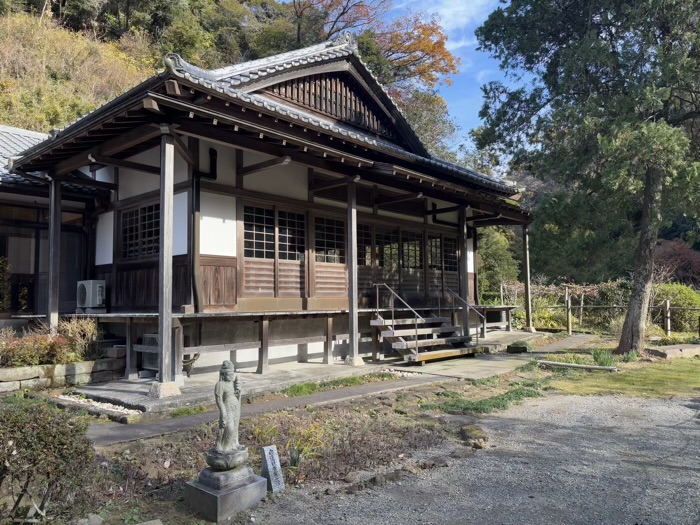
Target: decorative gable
point(336, 95)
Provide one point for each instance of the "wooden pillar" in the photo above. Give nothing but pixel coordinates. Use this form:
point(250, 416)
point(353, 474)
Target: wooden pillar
point(263, 351)
point(328, 345)
point(667, 317)
point(376, 344)
point(526, 271)
point(131, 370)
point(569, 321)
point(55, 220)
point(179, 352)
point(353, 357)
point(464, 268)
point(166, 387)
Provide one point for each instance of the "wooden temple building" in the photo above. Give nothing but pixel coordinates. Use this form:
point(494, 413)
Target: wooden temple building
point(281, 206)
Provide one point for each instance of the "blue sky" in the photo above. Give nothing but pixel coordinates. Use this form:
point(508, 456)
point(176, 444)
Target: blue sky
point(460, 18)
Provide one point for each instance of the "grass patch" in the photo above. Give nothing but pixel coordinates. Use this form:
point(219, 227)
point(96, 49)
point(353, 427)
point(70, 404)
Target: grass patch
point(485, 406)
point(604, 357)
point(188, 411)
point(663, 380)
point(486, 381)
point(306, 389)
point(571, 358)
point(450, 394)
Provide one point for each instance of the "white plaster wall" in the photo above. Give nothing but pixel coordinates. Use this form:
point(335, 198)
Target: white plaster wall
point(180, 224)
point(133, 183)
point(226, 162)
point(217, 225)
point(452, 217)
point(104, 238)
point(289, 181)
point(470, 255)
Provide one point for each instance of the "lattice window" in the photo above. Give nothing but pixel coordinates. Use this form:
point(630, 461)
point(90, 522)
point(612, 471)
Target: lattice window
point(411, 253)
point(330, 241)
point(258, 232)
point(450, 254)
point(434, 252)
point(292, 235)
point(140, 232)
point(387, 248)
point(364, 245)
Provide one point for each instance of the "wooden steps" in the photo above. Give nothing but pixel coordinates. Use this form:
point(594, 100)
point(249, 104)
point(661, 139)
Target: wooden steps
point(423, 343)
point(408, 332)
point(411, 321)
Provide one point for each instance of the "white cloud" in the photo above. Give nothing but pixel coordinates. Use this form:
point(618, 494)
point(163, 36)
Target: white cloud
point(454, 44)
point(484, 74)
point(454, 14)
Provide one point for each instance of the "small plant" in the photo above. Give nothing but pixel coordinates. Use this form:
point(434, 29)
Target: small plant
point(518, 347)
point(604, 357)
point(450, 394)
point(188, 411)
point(630, 357)
point(485, 406)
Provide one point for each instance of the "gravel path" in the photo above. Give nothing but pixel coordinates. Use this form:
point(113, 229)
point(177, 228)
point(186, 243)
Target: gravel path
point(560, 460)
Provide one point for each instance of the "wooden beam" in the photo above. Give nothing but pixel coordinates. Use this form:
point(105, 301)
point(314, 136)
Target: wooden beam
point(123, 142)
point(184, 151)
point(438, 211)
point(151, 105)
point(172, 87)
point(55, 221)
point(131, 370)
point(265, 165)
point(127, 164)
point(328, 345)
point(90, 182)
point(320, 185)
point(399, 198)
point(165, 262)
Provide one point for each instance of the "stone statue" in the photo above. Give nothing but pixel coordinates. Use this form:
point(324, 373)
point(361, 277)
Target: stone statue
point(227, 393)
point(228, 453)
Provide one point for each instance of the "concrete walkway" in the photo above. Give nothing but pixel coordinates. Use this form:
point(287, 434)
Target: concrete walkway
point(480, 367)
point(574, 341)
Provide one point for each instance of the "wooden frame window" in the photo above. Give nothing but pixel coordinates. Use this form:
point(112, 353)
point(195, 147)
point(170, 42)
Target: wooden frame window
point(330, 240)
point(450, 254)
point(434, 252)
point(258, 232)
point(387, 254)
point(411, 250)
point(364, 245)
point(292, 236)
point(140, 232)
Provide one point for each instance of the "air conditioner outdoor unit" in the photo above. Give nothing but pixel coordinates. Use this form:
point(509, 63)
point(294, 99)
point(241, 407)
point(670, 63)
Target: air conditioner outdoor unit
point(91, 297)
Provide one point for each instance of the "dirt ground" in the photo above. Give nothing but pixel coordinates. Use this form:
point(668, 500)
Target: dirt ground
point(553, 460)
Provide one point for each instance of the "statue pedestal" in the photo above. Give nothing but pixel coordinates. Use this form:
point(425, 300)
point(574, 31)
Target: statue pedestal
point(219, 495)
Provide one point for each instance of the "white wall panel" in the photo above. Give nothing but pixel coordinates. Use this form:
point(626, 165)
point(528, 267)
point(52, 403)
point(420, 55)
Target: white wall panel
point(217, 229)
point(180, 224)
point(104, 238)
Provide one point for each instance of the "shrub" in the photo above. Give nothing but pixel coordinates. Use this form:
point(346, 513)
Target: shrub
point(37, 350)
point(45, 459)
point(604, 357)
point(630, 357)
point(681, 295)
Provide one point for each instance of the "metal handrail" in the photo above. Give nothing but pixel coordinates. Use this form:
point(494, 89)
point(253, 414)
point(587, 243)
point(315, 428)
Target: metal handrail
point(467, 304)
point(393, 324)
point(377, 285)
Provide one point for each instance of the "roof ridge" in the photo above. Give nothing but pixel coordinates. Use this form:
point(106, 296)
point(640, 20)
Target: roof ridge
point(346, 41)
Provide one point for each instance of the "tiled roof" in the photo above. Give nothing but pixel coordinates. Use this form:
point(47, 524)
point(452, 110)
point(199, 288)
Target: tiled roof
point(231, 79)
point(12, 142)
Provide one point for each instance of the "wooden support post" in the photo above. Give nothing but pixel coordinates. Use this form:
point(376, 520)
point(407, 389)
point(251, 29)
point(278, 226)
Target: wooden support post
point(483, 325)
point(509, 320)
point(179, 335)
point(263, 351)
point(166, 387)
point(303, 353)
point(376, 344)
point(569, 321)
point(55, 220)
point(463, 268)
point(131, 370)
point(526, 270)
point(328, 345)
point(353, 357)
point(667, 317)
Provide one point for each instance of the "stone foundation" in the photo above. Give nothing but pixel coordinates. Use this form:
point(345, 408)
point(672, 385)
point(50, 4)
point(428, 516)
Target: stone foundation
point(58, 376)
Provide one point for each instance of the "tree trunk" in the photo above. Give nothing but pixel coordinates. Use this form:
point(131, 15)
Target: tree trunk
point(634, 328)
